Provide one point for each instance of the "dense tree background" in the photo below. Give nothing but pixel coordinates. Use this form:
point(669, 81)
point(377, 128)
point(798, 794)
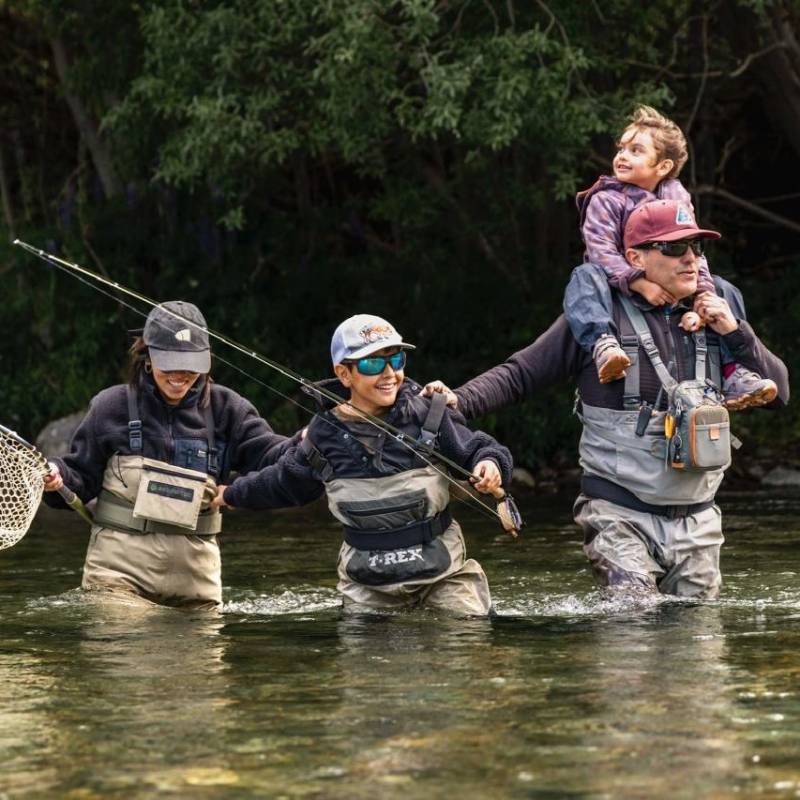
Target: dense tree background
point(286, 163)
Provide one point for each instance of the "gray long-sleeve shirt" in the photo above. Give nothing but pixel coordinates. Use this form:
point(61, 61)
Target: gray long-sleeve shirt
point(555, 357)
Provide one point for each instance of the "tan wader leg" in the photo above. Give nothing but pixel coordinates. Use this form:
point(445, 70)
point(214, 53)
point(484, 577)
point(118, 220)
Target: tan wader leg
point(631, 548)
point(169, 569)
point(463, 592)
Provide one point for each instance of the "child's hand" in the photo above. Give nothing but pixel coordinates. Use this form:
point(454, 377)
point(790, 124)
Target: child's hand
point(691, 321)
point(219, 502)
point(486, 477)
point(53, 482)
point(652, 292)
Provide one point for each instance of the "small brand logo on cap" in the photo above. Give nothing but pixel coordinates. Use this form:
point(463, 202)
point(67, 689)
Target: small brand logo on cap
point(376, 333)
point(184, 335)
point(683, 216)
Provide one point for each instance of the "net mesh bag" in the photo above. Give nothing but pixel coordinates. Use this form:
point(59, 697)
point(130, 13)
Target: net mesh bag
point(21, 489)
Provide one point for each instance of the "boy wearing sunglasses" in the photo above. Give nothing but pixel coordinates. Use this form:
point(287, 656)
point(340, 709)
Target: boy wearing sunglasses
point(650, 155)
point(374, 455)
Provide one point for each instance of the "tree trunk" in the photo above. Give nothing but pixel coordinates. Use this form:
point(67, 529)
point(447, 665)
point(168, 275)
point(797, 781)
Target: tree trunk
point(769, 47)
point(8, 213)
point(88, 130)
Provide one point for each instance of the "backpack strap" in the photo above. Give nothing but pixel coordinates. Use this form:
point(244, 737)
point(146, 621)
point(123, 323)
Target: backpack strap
point(134, 423)
point(433, 420)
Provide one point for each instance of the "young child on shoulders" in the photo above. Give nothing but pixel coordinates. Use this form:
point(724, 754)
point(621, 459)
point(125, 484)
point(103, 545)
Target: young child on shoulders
point(650, 155)
point(401, 545)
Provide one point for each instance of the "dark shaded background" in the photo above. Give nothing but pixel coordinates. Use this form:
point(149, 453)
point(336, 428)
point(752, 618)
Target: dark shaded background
point(286, 165)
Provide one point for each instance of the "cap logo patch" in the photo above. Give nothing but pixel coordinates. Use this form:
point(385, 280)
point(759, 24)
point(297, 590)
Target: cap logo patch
point(376, 333)
point(683, 216)
point(184, 335)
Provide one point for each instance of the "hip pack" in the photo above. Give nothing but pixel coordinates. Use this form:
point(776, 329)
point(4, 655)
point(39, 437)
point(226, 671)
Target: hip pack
point(696, 426)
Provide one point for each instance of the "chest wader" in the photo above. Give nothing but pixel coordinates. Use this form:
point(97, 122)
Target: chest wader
point(626, 456)
point(153, 533)
point(645, 521)
point(401, 545)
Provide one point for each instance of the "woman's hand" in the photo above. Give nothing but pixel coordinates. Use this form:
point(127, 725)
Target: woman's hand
point(53, 482)
point(219, 501)
point(486, 477)
point(652, 292)
point(437, 386)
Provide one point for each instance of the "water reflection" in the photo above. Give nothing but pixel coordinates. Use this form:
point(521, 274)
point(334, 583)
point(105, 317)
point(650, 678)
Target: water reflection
point(569, 693)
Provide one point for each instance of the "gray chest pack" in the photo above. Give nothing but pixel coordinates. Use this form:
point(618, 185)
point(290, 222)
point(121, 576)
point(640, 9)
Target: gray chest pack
point(696, 425)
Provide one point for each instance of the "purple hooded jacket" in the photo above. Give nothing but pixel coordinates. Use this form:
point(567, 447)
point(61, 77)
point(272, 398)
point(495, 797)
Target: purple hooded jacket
point(604, 209)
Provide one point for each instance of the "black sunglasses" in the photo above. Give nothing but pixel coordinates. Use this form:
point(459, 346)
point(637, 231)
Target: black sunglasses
point(675, 249)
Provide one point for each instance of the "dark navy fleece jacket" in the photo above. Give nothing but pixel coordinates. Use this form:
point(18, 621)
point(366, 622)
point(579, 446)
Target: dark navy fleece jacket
point(356, 449)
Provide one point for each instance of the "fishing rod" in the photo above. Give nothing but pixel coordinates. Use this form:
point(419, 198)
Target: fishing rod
point(506, 512)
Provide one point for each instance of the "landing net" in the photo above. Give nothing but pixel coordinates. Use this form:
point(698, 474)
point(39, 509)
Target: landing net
point(21, 488)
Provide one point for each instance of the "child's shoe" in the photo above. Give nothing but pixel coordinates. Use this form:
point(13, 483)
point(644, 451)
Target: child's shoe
point(609, 358)
point(744, 389)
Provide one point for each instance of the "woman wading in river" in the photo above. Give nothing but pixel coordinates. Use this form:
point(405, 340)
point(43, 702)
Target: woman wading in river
point(151, 452)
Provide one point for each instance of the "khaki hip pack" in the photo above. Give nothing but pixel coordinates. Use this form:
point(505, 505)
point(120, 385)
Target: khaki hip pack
point(169, 494)
point(697, 427)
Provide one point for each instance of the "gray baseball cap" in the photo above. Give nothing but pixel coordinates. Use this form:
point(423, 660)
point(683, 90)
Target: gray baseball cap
point(363, 334)
point(176, 336)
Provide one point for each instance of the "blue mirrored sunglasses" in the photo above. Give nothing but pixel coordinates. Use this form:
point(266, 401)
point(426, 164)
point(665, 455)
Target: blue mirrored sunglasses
point(374, 365)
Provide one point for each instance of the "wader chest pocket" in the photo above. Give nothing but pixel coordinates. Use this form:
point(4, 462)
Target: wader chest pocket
point(710, 438)
point(169, 494)
point(386, 513)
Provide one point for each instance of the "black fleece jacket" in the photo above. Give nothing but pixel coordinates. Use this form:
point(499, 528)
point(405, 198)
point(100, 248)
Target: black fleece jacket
point(243, 439)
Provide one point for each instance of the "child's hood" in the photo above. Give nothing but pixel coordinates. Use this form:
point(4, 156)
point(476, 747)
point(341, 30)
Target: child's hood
point(608, 183)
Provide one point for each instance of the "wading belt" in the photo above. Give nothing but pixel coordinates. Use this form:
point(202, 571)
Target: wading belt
point(415, 533)
point(601, 489)
point(114, 512)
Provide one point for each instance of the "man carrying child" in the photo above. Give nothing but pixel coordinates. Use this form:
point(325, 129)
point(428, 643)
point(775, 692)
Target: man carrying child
point(651, 152)
point(655, 447)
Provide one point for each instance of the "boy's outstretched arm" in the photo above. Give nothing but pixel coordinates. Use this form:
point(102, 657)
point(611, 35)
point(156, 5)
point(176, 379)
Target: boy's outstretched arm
point(470, 448)
point(289, 482)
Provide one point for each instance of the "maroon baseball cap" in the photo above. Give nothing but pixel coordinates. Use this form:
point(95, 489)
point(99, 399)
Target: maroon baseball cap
point(663, 221)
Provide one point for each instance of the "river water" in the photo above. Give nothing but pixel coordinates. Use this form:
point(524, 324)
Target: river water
point(565, 694)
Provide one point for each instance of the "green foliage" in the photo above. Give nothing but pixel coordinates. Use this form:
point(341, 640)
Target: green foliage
point(286, 164)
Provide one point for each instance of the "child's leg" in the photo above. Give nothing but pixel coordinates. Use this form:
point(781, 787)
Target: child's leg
point(587, 305)
point(742, 387)
point(587, 308)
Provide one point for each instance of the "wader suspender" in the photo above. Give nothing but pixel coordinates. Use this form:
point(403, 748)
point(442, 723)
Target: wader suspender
point(433, 419)
point(631, 397)
point(428, 433)
point(135, 431)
